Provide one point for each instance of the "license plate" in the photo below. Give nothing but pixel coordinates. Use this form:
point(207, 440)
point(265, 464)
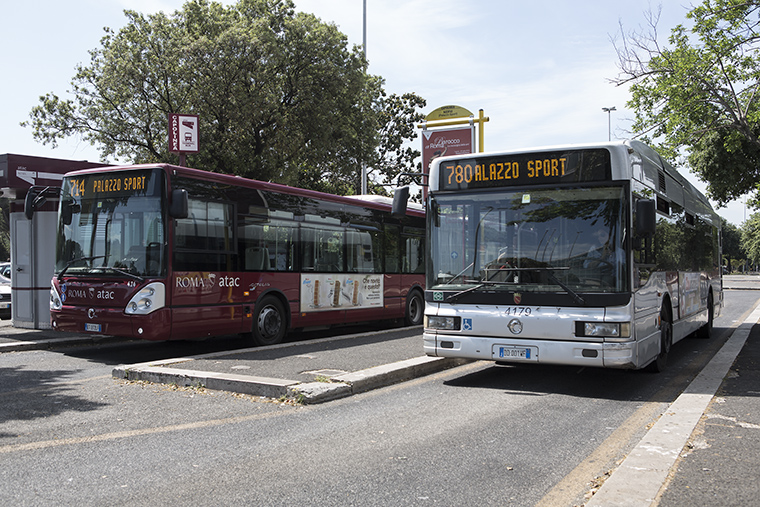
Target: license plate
point(92, 327)
point(5, 305)
point(518, 353)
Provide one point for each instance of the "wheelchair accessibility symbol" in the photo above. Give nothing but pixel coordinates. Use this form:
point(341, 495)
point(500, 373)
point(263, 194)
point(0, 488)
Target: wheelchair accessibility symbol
point(467, 324)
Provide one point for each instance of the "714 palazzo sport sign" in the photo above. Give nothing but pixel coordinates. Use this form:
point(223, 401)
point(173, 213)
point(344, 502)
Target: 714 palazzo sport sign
point(183, 133)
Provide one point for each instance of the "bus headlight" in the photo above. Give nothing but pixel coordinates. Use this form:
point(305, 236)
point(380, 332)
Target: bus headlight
point(442, 323)
point(620, 330)
point(55, 299)
point(148, 299)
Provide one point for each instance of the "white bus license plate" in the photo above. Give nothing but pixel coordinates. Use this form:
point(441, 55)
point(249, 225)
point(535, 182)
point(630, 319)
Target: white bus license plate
point(92, 327)
point(518, 353)
point(5, 305)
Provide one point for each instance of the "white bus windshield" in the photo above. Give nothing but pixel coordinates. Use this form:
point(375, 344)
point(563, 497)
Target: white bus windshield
point(115, 227)
point(553, 240)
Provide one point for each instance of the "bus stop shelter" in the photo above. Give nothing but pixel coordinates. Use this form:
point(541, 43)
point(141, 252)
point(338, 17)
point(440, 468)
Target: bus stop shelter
point(32, 242)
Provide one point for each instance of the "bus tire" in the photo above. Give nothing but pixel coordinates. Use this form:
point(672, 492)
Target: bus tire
point(415, 308)
point(269, 321)
point(666, 341)
point(705, 331)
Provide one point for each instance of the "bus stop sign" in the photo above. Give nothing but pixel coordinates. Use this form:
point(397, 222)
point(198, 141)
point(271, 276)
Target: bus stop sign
point(183, 133)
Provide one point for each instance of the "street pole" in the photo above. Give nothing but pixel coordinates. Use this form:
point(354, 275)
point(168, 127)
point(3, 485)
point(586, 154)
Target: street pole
point(609, 110)
point(364, 49)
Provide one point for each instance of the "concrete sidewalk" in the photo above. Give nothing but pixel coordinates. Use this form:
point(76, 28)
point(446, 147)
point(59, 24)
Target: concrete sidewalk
point(720, 462)
point(312, 371)
point(705, 448)
point(741, 282)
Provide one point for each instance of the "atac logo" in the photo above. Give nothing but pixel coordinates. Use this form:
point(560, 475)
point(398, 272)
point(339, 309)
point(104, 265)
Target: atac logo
point(86, 293)
point(75, 292)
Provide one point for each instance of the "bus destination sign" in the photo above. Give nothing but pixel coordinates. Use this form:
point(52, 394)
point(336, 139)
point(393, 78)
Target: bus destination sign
point(124, 184)
point(525, 169)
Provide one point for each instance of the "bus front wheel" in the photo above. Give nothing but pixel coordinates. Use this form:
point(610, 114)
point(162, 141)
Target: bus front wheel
point(705, 331)
point(415, 308)
point(269, 322)
point(666, 340)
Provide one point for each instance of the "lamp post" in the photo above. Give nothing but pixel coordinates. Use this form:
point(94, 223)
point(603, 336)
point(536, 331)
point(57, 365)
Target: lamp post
point(609, 110)
point(364, 49)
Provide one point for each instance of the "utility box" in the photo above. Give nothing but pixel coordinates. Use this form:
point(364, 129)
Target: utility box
point(33, 241)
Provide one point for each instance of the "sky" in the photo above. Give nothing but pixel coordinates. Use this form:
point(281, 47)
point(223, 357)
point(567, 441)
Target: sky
point(539, 70)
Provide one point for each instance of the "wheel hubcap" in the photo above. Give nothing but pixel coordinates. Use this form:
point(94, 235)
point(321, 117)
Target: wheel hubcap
point(269, 322)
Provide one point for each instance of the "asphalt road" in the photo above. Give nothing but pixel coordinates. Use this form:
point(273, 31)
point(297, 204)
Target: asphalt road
point(70, 434)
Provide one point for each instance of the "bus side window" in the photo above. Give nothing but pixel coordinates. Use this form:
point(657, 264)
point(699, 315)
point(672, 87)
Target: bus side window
point(414, 254)
point(392, 254)
point(205, 241)
point(279, 240)
point(360, 256)
point(307, 249)
point(329, 250)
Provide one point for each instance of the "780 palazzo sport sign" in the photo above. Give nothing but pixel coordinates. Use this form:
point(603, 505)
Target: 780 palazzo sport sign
point(183, 133)
point(525, 169)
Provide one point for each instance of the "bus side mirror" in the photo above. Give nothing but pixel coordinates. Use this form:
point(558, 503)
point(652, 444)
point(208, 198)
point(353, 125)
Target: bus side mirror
point(178, 208)
point(645, 217)
point(29, 204)
point(67, 210)
point(400, 199)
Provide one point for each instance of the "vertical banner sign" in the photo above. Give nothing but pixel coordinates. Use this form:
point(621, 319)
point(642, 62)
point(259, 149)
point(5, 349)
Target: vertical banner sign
point(445, 142)
point(183, 133)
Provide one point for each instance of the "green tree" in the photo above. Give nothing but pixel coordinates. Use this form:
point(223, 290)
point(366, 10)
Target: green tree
point(699, 94)
point(393, 122)
point(279, 94)
point(751, 238)
point(732, 243)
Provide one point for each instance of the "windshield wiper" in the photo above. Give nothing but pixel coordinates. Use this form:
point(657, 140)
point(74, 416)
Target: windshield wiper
point(480, 285)
point(121, 272)
point(576, 297)
point(78, 259)
point(457, 295)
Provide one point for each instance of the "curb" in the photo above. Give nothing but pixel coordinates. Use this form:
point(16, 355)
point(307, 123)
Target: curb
point(340, 386)
point(49, 343)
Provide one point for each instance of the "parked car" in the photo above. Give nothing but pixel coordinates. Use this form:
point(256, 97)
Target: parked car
point(5, 269)
point(5, 298)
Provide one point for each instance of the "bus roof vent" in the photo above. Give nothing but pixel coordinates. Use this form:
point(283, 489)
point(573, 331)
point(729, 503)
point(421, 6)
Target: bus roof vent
point(661, 175)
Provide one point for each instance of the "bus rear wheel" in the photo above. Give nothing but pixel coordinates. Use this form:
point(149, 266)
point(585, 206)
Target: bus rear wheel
point(269, 322)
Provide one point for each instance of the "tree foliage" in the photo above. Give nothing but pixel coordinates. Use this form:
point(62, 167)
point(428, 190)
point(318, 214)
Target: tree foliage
point(699, 94)
point(751, 238)
point(732, 243)
point(279, 94)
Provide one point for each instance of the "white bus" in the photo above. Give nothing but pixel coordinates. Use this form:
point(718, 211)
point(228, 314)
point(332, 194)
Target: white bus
point(590, 255)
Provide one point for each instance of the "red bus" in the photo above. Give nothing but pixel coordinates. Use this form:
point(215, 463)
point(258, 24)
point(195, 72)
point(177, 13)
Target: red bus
point(161, 252)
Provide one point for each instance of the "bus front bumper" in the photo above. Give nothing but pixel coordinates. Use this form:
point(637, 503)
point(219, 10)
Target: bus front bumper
point(510, 350)
point(113, 322)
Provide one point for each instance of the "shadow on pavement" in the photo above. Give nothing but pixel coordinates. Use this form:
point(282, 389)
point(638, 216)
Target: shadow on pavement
point(28, 394)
